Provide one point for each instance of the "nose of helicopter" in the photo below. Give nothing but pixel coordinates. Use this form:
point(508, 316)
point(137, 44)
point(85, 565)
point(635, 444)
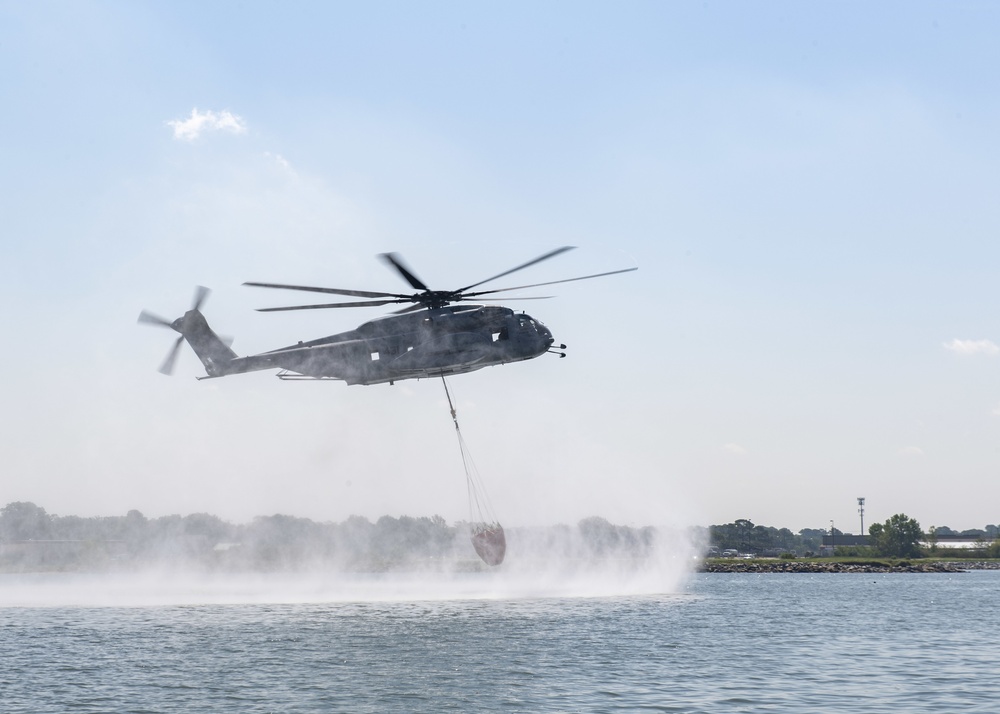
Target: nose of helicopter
point(547, 341)
point(545, 338)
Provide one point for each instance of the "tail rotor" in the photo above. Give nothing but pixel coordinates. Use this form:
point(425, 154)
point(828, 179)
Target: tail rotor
point(167, 367)
point(148, 318)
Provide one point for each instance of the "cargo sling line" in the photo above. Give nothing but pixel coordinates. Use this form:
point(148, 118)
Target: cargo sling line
point(487, 534)
point(479, 505)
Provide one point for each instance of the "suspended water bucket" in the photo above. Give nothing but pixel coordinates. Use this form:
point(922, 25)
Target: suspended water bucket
point(489, 542)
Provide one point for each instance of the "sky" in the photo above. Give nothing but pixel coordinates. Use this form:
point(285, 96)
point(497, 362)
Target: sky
point(809, 191)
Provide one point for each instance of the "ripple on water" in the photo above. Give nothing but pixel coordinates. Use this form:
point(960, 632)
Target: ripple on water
point(739, 643)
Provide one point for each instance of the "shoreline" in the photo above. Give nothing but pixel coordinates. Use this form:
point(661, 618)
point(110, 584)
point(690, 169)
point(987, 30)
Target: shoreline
point(791, 566)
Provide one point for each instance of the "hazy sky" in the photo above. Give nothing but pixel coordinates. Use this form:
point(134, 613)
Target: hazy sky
point(810, 191)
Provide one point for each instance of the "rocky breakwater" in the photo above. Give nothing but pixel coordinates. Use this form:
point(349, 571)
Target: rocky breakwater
point(811, 566)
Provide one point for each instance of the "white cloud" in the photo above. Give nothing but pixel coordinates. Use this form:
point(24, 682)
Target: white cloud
point(972, 347)
point(279, 160)
point(734, 449)
point(911, 452)
point(191, 128)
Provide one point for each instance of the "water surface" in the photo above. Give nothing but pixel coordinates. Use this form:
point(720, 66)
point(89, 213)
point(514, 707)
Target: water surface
point(718, 643)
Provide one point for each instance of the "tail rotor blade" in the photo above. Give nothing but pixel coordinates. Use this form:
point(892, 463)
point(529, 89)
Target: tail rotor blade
point(178, 325)
point(200, 294)
point(151, 319)
point(168, 364)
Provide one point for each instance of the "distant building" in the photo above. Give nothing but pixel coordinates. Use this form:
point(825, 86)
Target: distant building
point(958, 541)
point(841, 540)
point(845, 539)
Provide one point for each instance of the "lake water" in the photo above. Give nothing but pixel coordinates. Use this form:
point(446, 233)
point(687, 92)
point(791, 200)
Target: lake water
point(713, 643)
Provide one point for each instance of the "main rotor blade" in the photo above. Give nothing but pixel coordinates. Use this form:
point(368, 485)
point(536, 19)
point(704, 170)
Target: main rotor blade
point(151, 319)
point(511, 297)
point(329, 291)
point(168, 363)
point(552, 282)
point(539, 259)
point(396, 261)
point(411, 308)
point(370, 303)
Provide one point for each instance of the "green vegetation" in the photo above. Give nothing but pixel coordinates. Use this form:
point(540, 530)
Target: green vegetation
point(745, 537)
point(854, 551)
point(899, 536)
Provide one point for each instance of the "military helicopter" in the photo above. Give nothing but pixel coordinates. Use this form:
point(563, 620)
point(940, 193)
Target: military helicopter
point(439, 334)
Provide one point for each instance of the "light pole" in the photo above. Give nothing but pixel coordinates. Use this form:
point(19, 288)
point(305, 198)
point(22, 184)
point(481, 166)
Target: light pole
point(861, 510)
point(833, 541)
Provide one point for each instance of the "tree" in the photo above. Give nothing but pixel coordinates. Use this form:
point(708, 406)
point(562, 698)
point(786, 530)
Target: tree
point(23, 520)
point(811, 539)
point(932, 538)
point(744, 536)
point(897, 537)
point(738, 535)
point(600, 536)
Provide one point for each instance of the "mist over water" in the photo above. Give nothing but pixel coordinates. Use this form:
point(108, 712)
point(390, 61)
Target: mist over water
point(541, 563)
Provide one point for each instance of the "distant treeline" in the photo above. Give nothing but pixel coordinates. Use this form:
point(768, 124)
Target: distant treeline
point(745, 537)
point(32, 539)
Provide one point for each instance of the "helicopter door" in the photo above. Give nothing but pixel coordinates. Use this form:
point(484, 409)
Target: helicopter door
point(516, 332)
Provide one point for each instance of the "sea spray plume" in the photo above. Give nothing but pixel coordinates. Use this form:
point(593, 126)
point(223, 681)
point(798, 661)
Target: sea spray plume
point(596, 557)
point(274, 558)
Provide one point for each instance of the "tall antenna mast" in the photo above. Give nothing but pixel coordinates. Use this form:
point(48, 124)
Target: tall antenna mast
point(861, 510)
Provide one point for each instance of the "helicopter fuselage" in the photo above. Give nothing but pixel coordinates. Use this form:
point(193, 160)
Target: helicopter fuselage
point(448, 340)
point(442, 332)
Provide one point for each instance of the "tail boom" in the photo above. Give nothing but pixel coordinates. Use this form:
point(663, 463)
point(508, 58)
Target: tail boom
point(215, 355)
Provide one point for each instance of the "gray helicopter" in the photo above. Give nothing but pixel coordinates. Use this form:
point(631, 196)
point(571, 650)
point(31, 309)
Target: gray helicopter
point(438, 335)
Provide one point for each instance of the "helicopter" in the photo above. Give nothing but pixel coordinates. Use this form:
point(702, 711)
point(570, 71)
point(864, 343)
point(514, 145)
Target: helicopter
point(440, 333)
